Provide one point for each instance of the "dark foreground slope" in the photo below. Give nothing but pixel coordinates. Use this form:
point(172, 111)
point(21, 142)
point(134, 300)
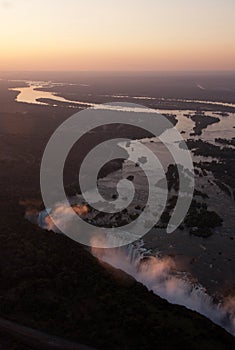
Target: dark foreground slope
point(50, 283)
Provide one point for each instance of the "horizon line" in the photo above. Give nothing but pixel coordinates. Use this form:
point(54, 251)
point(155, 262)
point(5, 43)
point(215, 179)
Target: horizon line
point(123, 71)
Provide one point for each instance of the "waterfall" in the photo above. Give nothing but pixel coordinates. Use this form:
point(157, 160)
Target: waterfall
point(160, 276)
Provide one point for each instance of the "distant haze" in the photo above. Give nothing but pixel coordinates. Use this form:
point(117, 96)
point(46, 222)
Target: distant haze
point(117, 35)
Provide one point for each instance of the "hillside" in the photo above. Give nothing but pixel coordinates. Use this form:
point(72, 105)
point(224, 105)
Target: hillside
point(52, 284)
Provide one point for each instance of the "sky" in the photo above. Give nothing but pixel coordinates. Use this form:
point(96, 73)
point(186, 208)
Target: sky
point(123, 35)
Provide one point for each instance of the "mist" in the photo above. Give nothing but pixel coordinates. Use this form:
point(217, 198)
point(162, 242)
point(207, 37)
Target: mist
point(160, 276)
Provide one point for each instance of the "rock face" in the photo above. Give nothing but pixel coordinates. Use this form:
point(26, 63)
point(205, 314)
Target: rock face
point(52, 284)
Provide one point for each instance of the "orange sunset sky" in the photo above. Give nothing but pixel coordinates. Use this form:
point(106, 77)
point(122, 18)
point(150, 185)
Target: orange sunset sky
point(117, 35)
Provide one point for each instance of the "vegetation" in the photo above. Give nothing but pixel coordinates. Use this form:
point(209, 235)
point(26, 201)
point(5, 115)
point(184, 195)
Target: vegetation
point(223, 169)
point(53, 284)
point(50, 283)
point(225, 141)
point(200, 220)
point(202, 121)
